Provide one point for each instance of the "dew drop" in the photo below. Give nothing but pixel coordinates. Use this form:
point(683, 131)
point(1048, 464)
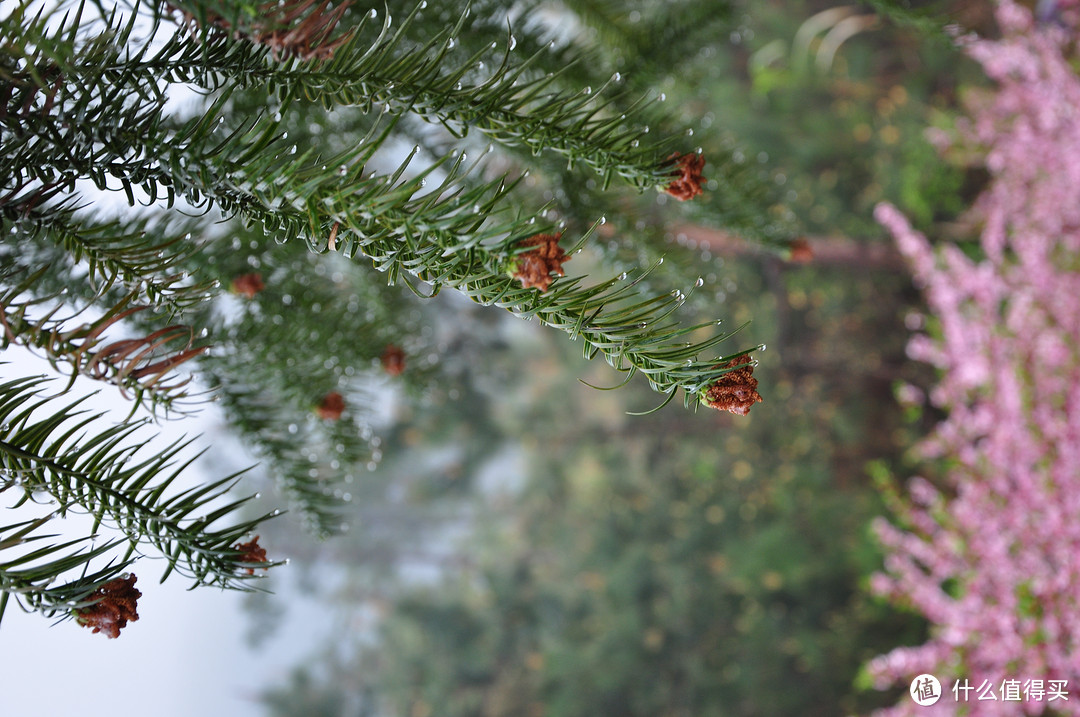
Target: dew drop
point(660, 262)
point(663, 97)
point(622, 276)
point(699, 282)
point(373, 14)
point(450, 44)
point(690, 132)
point(603, 220)
point(617, 77)
point(513, 42)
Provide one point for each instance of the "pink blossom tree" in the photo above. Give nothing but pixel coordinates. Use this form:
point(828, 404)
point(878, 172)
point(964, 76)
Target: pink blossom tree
point(993, 559)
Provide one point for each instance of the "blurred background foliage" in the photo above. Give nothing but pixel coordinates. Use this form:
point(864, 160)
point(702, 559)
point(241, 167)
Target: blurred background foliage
point(528, 548)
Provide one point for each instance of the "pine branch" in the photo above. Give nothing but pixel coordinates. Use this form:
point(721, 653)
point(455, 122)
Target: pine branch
point(141, 257)
point(30, 577)
point(314, 326)
point(106, 476)
point(143, 365)
point(508, 105)
point(313, 459)
point(605, 19)
point(459, 237)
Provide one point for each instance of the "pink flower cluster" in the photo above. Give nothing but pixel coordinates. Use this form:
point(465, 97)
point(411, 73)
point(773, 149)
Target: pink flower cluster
point(993, 560)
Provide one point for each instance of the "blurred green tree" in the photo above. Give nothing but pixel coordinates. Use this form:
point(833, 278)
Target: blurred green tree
point(651, 566)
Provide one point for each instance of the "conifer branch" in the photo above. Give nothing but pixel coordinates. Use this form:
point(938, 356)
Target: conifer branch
point(142, 257)
point(30, 575)
point(305, 453)
point(458, 237)
point(511, 105)
point(140, 365)
point(106, 476)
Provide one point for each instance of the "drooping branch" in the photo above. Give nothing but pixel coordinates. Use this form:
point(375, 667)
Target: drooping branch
point(817, 250)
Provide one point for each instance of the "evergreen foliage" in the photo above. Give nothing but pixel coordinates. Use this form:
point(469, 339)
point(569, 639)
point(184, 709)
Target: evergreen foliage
point(434, 142)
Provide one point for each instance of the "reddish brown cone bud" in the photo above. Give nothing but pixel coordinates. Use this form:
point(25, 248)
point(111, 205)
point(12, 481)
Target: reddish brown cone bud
point(800, 252)
point(247, 285)
point(331, 406)
point(393, 360)
point(252, 552)
point(735, 391)
point(535, 267)
point(688, 179)
point(115, 606)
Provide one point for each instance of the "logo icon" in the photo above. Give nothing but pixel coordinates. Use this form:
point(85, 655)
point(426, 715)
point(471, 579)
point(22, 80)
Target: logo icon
point(925, 690)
